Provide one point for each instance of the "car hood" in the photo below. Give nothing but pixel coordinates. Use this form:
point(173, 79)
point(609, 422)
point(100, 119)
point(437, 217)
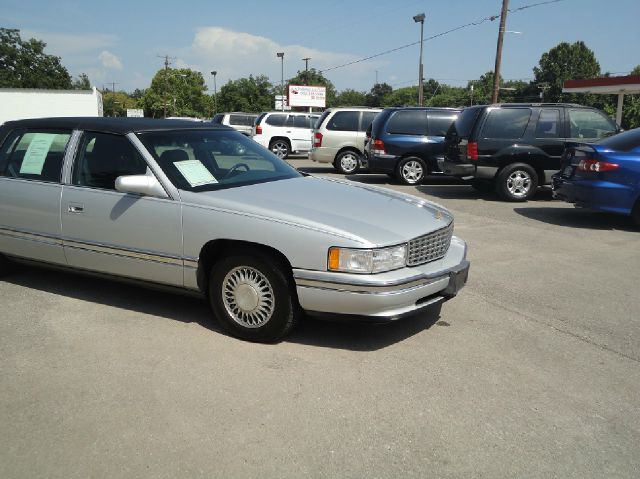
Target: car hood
point(372, 216)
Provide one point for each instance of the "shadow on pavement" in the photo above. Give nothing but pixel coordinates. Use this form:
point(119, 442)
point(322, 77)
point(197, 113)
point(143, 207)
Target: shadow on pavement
point(193, 309)
point(578, 218)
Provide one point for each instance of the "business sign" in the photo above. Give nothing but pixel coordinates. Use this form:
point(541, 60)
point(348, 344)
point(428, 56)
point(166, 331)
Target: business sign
point(278, 104)
point(304, 95)
point(135, 112)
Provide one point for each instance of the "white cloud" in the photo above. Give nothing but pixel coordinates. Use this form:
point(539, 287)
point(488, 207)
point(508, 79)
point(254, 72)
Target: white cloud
point(65, 44)
point(109, 60)
point(238, 54)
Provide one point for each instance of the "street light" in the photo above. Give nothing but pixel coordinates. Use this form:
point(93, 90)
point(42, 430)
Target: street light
point(280, 55)
point(420, 19)
point(215, 92)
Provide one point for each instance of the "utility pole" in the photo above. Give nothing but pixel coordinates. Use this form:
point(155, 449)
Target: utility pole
point(496, 72)
point(113, 86)
point(215, 92)
point(376, 77)
point(166, 82)
point(306, 70)
point(420, 19)
point(280, 55)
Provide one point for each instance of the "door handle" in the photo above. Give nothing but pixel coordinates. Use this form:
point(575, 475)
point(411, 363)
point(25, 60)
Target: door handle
point(75, 208)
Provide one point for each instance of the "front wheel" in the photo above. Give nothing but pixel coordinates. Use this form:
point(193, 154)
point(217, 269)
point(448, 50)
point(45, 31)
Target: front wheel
point(252, 297)
point(635, 213)
point(517, 182)
point(5, 266)
point(411, 170)
point(280, 148)
point(347, 162)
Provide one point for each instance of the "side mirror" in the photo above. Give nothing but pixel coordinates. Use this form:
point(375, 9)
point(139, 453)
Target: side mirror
point(146, 185)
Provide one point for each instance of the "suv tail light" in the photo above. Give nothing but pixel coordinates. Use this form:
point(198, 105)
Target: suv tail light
point(378, 147)
point(258, 130)
point(472, 151)
point(317, 140)
point(596, 166)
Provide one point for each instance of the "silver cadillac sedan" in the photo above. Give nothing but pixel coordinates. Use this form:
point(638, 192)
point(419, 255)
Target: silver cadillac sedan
point(203, 208)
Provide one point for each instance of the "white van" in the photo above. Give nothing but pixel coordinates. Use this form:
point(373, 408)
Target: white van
point(240, 121)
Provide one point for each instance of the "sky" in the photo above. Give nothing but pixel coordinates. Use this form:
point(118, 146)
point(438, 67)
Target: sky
point(124, 41)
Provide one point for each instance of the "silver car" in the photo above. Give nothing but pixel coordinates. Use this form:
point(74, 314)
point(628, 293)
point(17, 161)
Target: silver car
point(203, 208)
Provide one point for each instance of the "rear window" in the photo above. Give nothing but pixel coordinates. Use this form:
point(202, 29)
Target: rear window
point(276, 120)
point(344, 121)
point(35, 155)
point(218, 119)
point(367, 118)
point(321, 120)
point(625, 141)
point(465, 121)
point(240, 120)
point(440, 122)
point(408, 122)
point(260, 118)
point(506, 123)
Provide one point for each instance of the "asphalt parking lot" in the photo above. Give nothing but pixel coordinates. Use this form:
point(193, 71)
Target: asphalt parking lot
point(532, 371)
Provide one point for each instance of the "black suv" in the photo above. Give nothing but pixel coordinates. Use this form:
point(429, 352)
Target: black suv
point(406, 143)
point(515, 147)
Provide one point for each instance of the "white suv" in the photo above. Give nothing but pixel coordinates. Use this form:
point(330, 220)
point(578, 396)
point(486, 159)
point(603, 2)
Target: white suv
point(284, 132)
point(338, 137)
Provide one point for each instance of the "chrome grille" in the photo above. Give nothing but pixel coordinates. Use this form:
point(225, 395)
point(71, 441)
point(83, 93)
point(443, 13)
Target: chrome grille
point(429, 247)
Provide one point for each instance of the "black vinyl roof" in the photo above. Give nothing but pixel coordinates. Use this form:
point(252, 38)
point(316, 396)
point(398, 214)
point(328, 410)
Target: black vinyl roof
point(114, 125)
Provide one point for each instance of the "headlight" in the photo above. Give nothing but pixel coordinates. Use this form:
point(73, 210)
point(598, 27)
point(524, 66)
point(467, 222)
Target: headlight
point(367, 260)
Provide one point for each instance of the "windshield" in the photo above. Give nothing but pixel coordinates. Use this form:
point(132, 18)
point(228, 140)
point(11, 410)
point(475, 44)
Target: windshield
point(206, 160)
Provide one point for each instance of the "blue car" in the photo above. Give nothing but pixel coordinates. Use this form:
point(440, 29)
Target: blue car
point(603, 176)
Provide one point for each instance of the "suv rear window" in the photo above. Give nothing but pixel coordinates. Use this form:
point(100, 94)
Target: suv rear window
point(344, 121)
point(408, 122)
point(367, 119)
point(240, 120)
point(218, 118)
point(626, 141)
point(322, 118)
point(506, 123)
point(276, 120)
point(440, 122)
point(464, 123)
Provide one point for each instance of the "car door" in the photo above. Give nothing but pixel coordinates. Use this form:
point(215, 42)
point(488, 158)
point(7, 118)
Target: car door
point(118, 233)
point(549, 137)
point(30, 187)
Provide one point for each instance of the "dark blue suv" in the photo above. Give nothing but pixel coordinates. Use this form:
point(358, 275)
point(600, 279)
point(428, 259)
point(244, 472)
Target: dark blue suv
point(406, 143)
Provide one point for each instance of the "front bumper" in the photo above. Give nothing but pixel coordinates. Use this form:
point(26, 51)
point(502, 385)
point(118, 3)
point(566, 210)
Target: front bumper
point(386, 296)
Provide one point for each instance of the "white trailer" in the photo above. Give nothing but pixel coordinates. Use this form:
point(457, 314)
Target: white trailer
point(21, 103)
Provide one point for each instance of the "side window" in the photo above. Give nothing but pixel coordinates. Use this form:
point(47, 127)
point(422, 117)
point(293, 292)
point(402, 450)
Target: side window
point(506, 123)
point(439, 122)
point(589, 124)
point(548, 124)
point(300, 121)
point(408, 122)
point(102, 158)
point(367, 119)
point(344, 121)
point(35, 155)
point(276, 120)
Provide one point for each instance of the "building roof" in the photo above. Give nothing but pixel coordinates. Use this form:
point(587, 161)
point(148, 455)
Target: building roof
point(115, 125)
point(605, 85)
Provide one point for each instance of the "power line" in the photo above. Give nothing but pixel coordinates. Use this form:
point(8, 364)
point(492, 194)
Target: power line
point(489, 18)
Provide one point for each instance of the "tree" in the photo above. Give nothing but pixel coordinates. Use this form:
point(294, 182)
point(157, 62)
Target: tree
point(23, 64)
point(82, 82)
point(565, 61)
point(315, 78)
point(181, 91)
point(375, 97)
point(350, 97)
point(407, 96)
point(117, 103)
point(253, 94)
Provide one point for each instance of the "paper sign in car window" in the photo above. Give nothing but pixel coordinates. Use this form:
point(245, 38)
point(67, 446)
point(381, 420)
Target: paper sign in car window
point(195, 173)
point(36, 153)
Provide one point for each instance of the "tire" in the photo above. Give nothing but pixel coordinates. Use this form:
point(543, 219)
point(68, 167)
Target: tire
point(635, 214)
point(253, 298)
point(517, 182)
point(280, 148)
point(5, 266)
point(347, 162)
point(411, 170)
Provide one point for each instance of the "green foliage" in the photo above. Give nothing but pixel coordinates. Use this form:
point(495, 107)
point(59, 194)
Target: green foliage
point(350, 97)
point(181, 91)
point(566, 61)
point(379, 91)
point(23, 64)
point(81, 83)
point(116, 103)
point(407, 96)
point(253, 94)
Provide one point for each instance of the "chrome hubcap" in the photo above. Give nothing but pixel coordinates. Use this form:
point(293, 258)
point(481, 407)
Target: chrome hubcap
point(248, 296)
point(348, 162)
point(519, 183)
point(280, 149)
point(412, 171)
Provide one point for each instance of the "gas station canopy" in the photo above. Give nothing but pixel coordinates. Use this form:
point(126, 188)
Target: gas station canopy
point(606, 86)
